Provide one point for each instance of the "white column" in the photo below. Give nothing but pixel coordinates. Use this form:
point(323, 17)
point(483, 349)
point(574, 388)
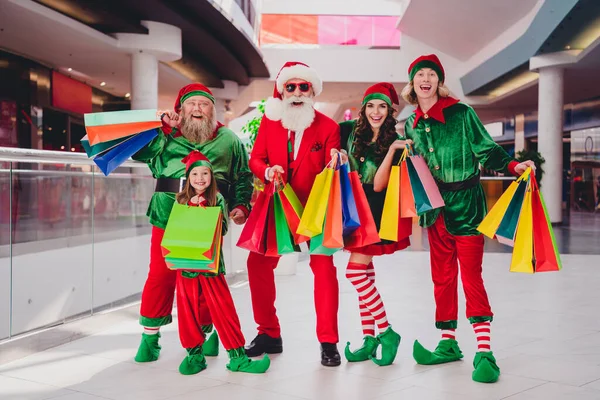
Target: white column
point(550, 131)
point(520, 142)
point(220, 108)
point(144, 81)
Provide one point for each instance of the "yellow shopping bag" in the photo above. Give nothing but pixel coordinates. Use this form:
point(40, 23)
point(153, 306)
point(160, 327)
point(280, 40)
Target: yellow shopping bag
point(311, 223)
point(391, 207)
point(522, 258)
point(492, 220)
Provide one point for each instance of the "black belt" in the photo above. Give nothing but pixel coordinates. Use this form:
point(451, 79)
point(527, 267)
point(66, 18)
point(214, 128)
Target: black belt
point(456, 186)
point(174, 185)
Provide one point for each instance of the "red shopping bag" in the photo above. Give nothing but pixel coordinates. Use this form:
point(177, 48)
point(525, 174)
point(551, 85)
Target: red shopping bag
point(366, 233)
point(292, 208)
point(545, 251)
point(253, 236)
point(271, 233)
point(407, 199)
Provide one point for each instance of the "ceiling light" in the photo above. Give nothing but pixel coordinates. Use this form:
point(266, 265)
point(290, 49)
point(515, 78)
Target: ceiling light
point(102, 83)
point(69, 69)
point(127, 95)
point(72, 148)
point(568, 47)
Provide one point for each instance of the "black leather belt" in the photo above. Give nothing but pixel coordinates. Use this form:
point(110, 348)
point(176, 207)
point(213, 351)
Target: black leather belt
point(175, 185)
point(456, 186)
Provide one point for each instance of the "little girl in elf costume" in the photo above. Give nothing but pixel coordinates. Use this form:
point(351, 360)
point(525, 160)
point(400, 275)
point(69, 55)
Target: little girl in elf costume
point(371, 142)
point(201, 191)
point(453, 142)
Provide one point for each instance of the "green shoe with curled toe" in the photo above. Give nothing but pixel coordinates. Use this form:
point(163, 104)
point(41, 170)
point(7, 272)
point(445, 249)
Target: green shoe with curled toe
point(367, 350)
point(194, 362)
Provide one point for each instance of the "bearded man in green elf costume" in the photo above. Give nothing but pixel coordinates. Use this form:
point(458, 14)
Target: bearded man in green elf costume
point(453, 142)
point(192, 126)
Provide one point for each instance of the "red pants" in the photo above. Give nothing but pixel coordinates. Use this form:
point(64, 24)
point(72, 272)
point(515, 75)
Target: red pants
point(199, 299)
point(446, 251)
point(159, 290)
point(261, 277)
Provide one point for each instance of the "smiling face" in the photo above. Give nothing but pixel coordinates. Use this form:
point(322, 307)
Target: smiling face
point(426, 84)
point(200, 178)
point(198, 120)
point(298, 104)
point(376, 111)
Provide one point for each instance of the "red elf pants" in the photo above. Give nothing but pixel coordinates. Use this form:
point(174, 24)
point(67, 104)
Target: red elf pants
point(446, 252)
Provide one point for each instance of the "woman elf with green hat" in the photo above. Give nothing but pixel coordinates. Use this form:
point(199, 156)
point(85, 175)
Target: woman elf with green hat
point(453, 142)
point(371, 142)
point(201, 191)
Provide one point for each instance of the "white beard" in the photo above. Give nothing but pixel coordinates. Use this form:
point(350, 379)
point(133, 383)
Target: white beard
point(297, 119)
point(198, 131)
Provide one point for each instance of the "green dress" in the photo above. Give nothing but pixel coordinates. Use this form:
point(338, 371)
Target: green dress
point(229, 161)
point(453, 149)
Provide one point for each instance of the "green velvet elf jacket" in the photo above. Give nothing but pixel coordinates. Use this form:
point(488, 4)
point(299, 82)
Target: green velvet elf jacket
point(453, 142)
point(226, 153)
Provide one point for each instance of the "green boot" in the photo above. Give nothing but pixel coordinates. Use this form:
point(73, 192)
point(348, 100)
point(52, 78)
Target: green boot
point(486, 370)
point(211, 345)
point(239, 362)
point(447, 350)
point(368, 349)
point(149, 348)
point(390, 341)
point(194, 362)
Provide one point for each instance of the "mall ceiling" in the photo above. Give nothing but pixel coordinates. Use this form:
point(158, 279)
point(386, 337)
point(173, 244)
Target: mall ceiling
point(213, 48)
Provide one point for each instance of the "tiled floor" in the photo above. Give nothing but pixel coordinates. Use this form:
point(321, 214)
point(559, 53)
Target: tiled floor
point(546, 337)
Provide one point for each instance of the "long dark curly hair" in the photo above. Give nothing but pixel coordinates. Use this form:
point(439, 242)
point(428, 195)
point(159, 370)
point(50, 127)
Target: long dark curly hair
point(363, 135)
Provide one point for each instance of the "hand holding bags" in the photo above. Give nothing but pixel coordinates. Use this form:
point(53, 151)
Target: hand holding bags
point(520, 218)
point(113, 137)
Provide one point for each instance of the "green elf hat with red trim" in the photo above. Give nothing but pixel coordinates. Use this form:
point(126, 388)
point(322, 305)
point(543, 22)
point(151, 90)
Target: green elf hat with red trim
point(428, 61)
point(193, 89)
point(195, 159)
point(382, 91)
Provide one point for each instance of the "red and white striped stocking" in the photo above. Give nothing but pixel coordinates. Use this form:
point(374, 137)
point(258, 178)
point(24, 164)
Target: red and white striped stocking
point(367, 293)
point(483, 333)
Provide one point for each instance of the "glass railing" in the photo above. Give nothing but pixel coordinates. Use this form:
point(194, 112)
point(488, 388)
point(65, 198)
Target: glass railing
point(72, 241)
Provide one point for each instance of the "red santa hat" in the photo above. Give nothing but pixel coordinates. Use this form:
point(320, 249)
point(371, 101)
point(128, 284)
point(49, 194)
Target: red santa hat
point(290, 70)
point(193, 89)
point(195, 159)
point(429, 61)
point(382, 91)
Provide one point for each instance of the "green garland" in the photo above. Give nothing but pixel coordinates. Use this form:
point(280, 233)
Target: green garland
point(537, 158)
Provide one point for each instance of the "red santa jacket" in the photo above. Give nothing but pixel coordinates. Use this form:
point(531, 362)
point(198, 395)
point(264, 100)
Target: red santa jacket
point(270, 148)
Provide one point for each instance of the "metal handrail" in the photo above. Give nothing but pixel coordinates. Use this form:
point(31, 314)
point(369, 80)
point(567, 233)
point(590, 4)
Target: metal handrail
point(49, 156)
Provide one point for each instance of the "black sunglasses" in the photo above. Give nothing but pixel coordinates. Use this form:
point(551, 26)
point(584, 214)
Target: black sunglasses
point(303, 86)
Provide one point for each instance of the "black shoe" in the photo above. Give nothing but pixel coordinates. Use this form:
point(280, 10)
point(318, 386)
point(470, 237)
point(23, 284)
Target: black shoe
point(264, 343)
point(330, 356)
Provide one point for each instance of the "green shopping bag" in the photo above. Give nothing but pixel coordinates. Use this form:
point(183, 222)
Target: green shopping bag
point(285, 243)
point(191, 232)
point(508, 226)
point(316, 244)
point(422, 203)
point(206, 266)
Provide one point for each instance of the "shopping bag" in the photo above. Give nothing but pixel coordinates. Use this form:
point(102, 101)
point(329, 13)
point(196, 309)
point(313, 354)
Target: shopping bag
point(93, 151)
point(253, 236)
point(546, 255)
point(388, 228)
point(432, 191)
point(317, 246)
point(285, 243)
point(271, 234)
point(311, 222)
point(333, 229)
point(407, 199)
point(210, 266)
point(191, 232)
point(293, 210)
point(107, 126)
point(422, 203)
point(350, 217)
point(508, 225)
point(113, 158)
point(366, 233)
point(522, 257)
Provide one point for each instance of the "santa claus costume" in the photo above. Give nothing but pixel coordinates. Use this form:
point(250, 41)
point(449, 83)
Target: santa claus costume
point(299, 139)
point(453, 142)
point(234, 180)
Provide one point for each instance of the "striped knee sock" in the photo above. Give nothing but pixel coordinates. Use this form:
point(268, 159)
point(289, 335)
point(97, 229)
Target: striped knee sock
point(367, 293)
point(448, 334)
point(483, 333)
point(151, 330)
point(366, 319)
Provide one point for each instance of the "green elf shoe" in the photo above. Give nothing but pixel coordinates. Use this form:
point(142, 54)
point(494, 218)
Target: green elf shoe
point(149, 348)
point(447, 350)
point(368, 349)
point(486, 370)
point(239, 362)
point(211, 345)
point(390, 341)
point(194, 362)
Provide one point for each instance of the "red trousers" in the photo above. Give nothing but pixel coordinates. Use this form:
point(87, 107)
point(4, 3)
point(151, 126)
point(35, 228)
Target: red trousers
point(261, 277)
point(199, 299)
point(446, 252)
point(159, 290)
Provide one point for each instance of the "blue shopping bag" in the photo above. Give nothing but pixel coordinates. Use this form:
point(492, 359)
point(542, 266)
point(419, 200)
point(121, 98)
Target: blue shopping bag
point(112, 159)
point(350, 218)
